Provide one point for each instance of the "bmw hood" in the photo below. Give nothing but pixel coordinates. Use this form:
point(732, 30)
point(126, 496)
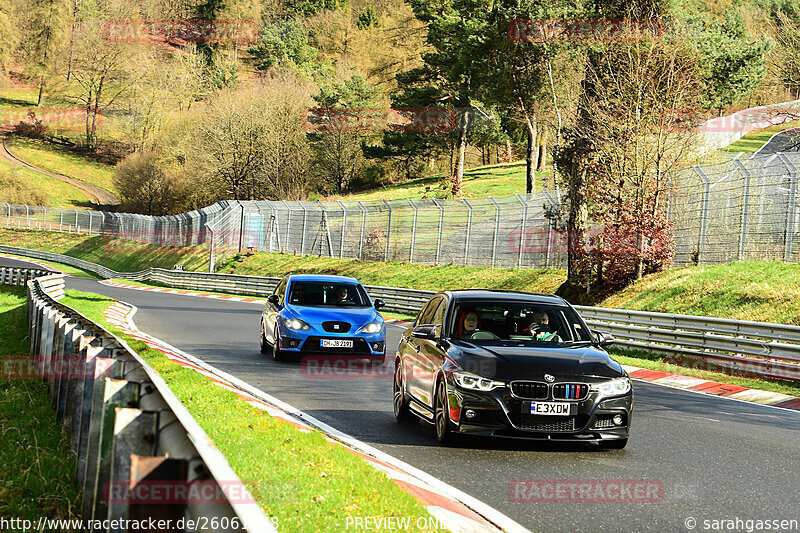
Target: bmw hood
point(505, 363)
point(316, 315)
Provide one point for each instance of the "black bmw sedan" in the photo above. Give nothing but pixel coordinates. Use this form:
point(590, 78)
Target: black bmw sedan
point(510, 364)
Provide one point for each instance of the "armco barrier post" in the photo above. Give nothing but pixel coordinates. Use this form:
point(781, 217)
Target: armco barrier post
point(134, 434)
point(87, 469)
point(99, 359)
point(116, 393)
point(154, 469)
point(77, 397)
point(68, 385)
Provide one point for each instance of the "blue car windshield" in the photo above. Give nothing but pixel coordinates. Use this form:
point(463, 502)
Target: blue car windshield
point(328, 294)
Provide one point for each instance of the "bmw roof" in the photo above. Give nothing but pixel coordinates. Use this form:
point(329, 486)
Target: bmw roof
point(484, 294)
point(321, 277)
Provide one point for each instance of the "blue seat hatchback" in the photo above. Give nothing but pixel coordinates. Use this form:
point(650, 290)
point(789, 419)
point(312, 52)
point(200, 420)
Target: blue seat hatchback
point(310, 314)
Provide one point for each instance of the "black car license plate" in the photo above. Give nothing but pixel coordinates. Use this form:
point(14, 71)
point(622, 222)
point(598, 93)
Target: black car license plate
point(549, 408)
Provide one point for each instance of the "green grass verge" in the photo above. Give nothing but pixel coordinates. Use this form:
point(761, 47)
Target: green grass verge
point(37, 469)
point(303, 480)
point(653, 361)
point(758, 138)
point(55, 159)
point(494, 180)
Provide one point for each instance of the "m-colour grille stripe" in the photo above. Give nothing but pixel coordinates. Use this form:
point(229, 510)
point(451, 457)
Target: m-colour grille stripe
point(570, 391)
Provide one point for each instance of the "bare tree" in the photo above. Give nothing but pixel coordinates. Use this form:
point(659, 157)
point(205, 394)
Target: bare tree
point(101, 73)
point(251, 145)
point(640, 92)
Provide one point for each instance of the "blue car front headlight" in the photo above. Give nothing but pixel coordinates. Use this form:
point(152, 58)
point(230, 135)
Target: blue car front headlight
point(372, 327)
point(293, 323)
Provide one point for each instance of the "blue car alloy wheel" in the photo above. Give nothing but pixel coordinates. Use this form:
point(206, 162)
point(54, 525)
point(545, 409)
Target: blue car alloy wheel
point(322, 315)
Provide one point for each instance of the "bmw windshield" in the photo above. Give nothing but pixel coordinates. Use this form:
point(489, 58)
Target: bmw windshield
point(516, 323)
point(328, 294)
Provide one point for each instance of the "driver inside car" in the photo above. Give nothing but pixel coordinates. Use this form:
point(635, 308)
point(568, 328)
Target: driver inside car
point(467, 322)
point(540, 326)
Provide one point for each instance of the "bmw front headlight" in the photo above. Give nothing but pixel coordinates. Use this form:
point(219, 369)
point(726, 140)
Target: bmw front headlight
point(614, 387)
point(372, 327)
point(293, 323)
point(465, 380)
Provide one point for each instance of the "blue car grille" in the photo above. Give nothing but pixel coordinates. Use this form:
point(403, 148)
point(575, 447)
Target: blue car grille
point(335, 326)
point(313, 345)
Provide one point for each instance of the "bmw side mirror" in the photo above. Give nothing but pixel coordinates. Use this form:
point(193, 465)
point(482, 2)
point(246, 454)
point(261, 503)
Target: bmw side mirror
point(274, 300)
point(425, 331)
point(379, 303)
point(604, 339)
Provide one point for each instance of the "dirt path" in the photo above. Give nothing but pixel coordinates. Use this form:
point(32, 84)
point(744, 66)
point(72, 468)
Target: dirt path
point(101, 198)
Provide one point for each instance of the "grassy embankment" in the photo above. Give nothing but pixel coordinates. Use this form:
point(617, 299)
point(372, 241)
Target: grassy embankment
point(761, 291)
point(498, 180)
point(55, 159)
point(14, 103)
point(306, 482)
point(37, 468)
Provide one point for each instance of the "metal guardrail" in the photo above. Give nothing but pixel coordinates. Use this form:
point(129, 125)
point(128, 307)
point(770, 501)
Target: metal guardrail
point(397, 299)
point(126, 427)
point(738, 347)
point(20, 276)
point(758, 349)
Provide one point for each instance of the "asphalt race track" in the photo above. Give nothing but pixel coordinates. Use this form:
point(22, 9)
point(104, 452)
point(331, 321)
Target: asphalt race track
point(787, 141)
point(716, 459)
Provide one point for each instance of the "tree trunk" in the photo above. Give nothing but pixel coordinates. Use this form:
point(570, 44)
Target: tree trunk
point(458, 175)
point(576, 221)
point(542, 162)
point(531, 156)
point(509, 152)
point(41, 91)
